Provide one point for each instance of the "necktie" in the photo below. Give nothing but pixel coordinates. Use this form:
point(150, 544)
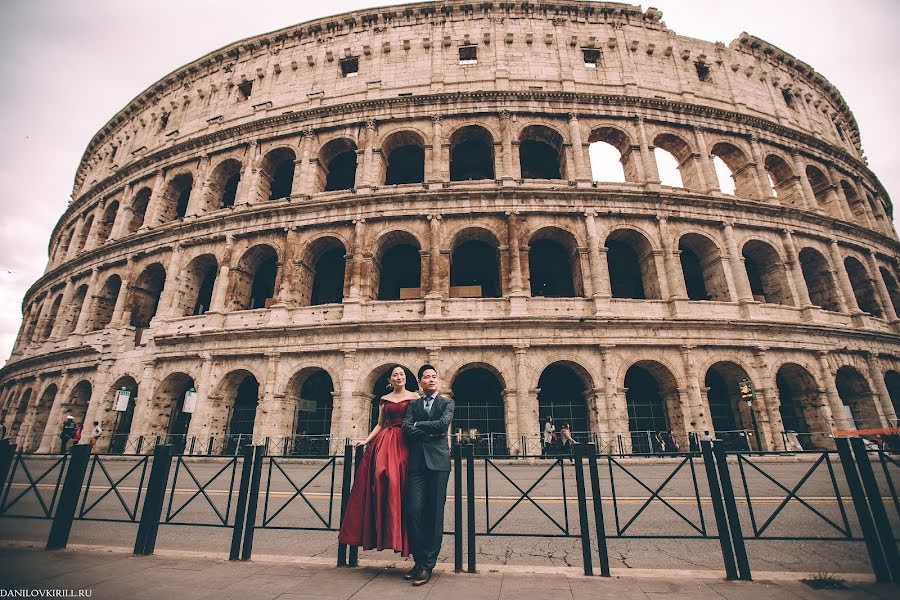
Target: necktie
point(428, 402)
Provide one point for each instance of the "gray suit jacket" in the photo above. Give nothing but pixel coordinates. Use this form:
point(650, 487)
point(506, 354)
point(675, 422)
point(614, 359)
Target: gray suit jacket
point(426, 435)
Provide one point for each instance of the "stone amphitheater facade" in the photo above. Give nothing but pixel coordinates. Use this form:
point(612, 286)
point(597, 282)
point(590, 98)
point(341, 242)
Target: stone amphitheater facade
point(278, 222)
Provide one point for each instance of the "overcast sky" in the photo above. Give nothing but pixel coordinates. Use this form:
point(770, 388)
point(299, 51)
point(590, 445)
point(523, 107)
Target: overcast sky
point(67, 67)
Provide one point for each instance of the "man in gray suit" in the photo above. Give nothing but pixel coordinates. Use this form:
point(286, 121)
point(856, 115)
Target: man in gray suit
point(425, 425)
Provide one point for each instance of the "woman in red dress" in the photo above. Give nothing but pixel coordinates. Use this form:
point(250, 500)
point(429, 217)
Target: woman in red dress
point(374, 514)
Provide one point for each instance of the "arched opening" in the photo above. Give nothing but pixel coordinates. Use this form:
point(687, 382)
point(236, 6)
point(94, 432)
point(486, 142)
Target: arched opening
point(854, 202)
point(311, 392)
point(800, 409)
point(74, 310)
point(79, 400)
point(105, 225)
point(562, 391)
point(174, 201)
point(405, 152)
point(701, 264)
point(398, 267)
point(892, 383)
point(541, 153)
point(612, 160)
point(857, 399)
point(37, 434)
point(821, 188)
point(242, 397)
point(20, 414)
point(893, 290)
point(253, 281)
point(326, 261)
point(471, 154)
point(383, 386)
point(475, 266)
point(783, 181)
point(169, 400)
point(819, 280)
point(554, 265)
point(145, 294)
point(199, 280)
point(121, 426)
point(85, 233)
point(733, 169)
point(632, 270)
point(30, 326)
point(650, 397)
point(51, 318)
point(479, 417)
point(277, 174)
point(730, 416)
point(105, 303)
point(139, 209)
point(337, 165)
point(863, 289)
point(768, 280)
point(672, 151)
point(223, 184)
point(63, 248)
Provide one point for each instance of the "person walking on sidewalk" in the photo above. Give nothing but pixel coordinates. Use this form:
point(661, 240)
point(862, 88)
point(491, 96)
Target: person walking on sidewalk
point(96, 432)
point(68, 431)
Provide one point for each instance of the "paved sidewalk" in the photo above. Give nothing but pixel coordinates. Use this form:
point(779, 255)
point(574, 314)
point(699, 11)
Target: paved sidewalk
point(116, 574)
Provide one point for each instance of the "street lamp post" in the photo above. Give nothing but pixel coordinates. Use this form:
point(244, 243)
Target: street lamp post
point(745, 387)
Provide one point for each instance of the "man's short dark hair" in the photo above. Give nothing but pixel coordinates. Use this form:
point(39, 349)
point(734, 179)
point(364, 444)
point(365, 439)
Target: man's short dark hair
point(424, 368)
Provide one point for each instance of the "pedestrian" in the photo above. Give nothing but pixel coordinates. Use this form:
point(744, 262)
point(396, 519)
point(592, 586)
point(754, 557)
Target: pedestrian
point(567, 441)
point(659, 445)
point(68, 430)
point(76, 438)
point(549, 439)
point(95, 435)
point(671, 443)
point(706, 437)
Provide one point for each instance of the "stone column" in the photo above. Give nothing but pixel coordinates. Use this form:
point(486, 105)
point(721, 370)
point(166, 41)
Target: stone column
point(91, 238)
point(794, 271)
point(506, 164)
point(123, 215)
point(736, 262)
point(248, 187)
point(154, 208)
point(512, 231)
point(871, 221)
point(843, 279)
point(220, 287)
point(87, 307)
point(274, 418)
point(599, 270)
point(876, 374)
point(707, 169)
point(349, 402)
point(356, 292)
point(767, 405)
point(650, 169)
point(65, 308)
point(50, 440)
point(809, 197)
point(436, 171)
point(434, 297)
point(886, 302)
point(582, 168)
point(833, 403)
point(672, 262)
point(72, 250)
point(368, 169)
point(120, 317)
point(697, 415)
point(526, 402)
point(200, 425)
point(308, 165)
point(843, 201)
point(172, 289)
point(199, 189)
point(761, 174)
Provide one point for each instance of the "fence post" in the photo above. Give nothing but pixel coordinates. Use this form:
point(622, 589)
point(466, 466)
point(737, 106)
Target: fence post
point(7, 453)
point(734, 521)
point(457, 509)
point(345, 496)
point(253, 501)
point(599, 524)
point(715, 494)
point(68, 498)
point(240, 509)
point(353, 558)
point(153, 501)
point(873, 545)
point(470, 506)
point(876, 505)
point(584, 526)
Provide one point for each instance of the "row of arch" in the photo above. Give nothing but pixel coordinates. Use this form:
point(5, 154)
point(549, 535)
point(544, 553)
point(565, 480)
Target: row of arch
point(541, 153)
point(398, 271)
point(564, 390)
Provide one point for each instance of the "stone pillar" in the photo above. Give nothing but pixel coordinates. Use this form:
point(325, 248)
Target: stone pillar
point(582, 168)
point(795, 273)
point(843, 280)
point(199, 189)
point(274, 418)
point(101, 401)
point(506, 164)
point(526, 402)
point(761, 174)
point(123, 215)
point(833, 404)
point(697, 413)
point(248, 187)
point(871, 221)
point(886, 302)
point(65, 308)
point(220, 287)
point(308, 165)
point(87, 307)
point(616, 406)
point(200, 425)
point(349, 402)
point(50, 441)
point(707, 169)
point(599, 270)
point(436, 164)
point(876, 374)
point(72, 250)
point(672, 262)
point(91, 240)
point(767, 405)
point(436, 270)
point(352, 308)
point(172, 289)
point(120, 317)
point(809, 197)
point(368, 170)
point(650, 169)
point(736, 262)
point(152, 213)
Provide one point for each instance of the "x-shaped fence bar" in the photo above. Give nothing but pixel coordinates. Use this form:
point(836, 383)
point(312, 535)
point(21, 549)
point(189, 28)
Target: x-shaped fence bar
point(525, 495)
point(887, 462)
point(113, 487)
point(32, 486)
point(201, 489)
point(298, 491)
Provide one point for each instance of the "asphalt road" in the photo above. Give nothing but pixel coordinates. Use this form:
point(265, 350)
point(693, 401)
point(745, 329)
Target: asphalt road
point(657, 514)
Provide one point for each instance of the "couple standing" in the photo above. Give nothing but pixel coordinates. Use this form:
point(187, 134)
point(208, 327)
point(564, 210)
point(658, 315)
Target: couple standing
point(398, 495)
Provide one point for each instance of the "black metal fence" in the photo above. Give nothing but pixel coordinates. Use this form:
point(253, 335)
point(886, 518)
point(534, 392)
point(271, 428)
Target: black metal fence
point(733, 497)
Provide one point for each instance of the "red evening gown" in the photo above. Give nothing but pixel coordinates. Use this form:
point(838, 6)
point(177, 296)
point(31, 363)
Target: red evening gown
point(374, 515)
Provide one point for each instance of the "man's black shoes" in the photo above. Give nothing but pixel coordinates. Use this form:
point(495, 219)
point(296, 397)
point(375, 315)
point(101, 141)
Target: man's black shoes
point(413, 573)
point(423, 578)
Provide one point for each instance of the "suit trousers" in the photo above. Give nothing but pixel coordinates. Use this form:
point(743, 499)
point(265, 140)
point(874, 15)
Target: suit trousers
point(426, 496)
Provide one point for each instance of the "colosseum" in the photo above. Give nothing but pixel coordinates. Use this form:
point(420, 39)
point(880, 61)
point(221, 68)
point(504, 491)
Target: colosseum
point(255, 239)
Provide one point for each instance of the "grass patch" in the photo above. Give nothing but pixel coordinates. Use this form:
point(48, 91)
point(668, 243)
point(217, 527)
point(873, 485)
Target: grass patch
point(826, 581)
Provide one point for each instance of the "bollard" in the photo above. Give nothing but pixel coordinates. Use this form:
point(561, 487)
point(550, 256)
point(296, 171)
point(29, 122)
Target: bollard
point(353, 559)
point(345, 496)
point(882, 524)
point(253, 502)
point(68, 498)
point(241, 507)
point(470, 506)
point(457, 509)
point(599, 524)
point(145, 541)
point(583, 525)
point(715, 494)
point(734, 522)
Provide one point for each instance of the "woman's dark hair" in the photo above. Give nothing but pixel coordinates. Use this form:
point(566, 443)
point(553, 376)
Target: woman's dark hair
point(549, 418)
point(391, 372)
point(565, 426)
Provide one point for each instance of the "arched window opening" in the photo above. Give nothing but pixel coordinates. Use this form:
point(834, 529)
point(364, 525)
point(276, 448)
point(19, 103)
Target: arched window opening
point(475, 270)
point(328, 277)
point(609, 151)
point(79, 400)
point(139, 209)
point(798, 395)
point(892, 288)
point(857, 399)
point(85, 233)
point(649, 390)
point(730, 416)
point(278, 174)
point(471, 154)
point(632, 271)
point(562, 395)
point(383, 387)
point(121, 426)
point(701, 264)
point(73, 312)
point(399, 272)
point(854, 202)
point(313, 399)
point(63, 248)
point(145, 294)
point(735, 174)
point(693, 275)
point(223, 184)
point(199, 280)
point(169, 399)
point(51, 318)
point(37, 436)
point(242, 416)
point(675, 162)
point(550, 266)
point(724, 176)
point(541, 153)
point(862, 287)
point(174, 201)
point(20, 414)
point(337, 165)
point(253, 282)
point(479, 416)
point(105, 303)
point(405, 152)
point(105, 225)
point(667, 166)
point(781, 176)
point(768, 280)
point(263, 287)
point(821, 188)
point(819, 280)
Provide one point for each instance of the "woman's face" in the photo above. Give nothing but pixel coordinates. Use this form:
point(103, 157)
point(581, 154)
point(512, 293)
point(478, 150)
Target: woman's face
point(398, 377)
